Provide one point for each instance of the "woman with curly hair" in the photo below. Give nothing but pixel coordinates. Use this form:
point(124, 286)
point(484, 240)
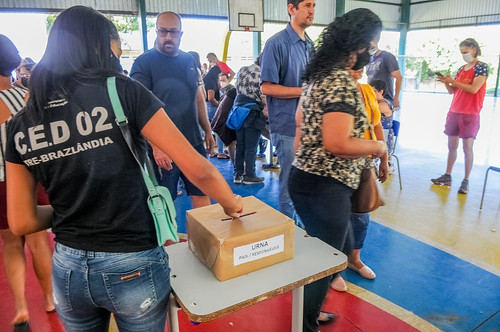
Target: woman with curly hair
point(331, 150)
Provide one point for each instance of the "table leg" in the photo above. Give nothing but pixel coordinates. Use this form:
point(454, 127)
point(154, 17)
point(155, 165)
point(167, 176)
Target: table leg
point(173, 318)
point(297, 309)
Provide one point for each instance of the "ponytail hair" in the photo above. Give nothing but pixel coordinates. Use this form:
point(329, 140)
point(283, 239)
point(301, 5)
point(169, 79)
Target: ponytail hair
point(471, 42)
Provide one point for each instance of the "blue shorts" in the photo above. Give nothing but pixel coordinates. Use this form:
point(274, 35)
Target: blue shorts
point(170, 179)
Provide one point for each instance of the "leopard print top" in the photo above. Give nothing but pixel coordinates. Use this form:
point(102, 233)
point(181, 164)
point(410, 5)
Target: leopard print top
point(335, 93)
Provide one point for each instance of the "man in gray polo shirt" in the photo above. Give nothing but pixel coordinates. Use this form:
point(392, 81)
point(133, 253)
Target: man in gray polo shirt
point(283, 62)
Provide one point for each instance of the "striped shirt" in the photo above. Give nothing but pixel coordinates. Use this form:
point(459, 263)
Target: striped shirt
point(11, 100)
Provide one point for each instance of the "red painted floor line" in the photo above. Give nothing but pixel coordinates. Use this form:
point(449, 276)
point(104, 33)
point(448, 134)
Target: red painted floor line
point(356, 314)
point(272, 315)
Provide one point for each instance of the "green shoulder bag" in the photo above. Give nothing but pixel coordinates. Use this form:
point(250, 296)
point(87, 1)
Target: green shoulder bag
point(159, 200)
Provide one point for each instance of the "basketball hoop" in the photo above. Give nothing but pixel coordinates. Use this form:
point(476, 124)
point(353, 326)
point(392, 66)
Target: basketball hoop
point(246, 15)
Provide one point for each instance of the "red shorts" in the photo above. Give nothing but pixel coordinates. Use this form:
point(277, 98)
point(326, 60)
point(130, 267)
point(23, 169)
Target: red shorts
point(42, 197)
point(462, 125)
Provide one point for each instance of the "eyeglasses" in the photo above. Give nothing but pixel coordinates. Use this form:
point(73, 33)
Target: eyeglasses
point(165, 32)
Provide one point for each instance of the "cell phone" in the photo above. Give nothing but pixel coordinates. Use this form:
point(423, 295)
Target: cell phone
point(438, 73)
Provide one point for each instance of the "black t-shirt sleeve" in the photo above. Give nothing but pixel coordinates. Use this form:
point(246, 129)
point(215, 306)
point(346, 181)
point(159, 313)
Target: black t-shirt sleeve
point(142, 72)
point(11, 154)
point(211, 80)
point(211, 84)
point(390, 62)
point(140, 103)
point(341, 107)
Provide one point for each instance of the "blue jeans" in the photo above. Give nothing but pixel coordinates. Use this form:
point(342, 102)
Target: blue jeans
point(89, 285)
point(324, 205)
point(247, 140)
point(211, 109)
point(359, 222)
point(286, 153)
point(220, 145)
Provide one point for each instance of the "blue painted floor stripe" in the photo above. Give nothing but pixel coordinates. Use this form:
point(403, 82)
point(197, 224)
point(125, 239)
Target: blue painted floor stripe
point(491, 325)
point(447, 291)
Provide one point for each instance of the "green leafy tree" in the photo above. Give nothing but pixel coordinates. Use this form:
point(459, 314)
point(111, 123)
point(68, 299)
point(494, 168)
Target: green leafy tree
point(49, 21)
point(436, 56)
point(127, 24)
point(124, 24)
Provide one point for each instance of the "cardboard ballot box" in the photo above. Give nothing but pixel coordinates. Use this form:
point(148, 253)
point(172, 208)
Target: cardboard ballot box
point(231, 248)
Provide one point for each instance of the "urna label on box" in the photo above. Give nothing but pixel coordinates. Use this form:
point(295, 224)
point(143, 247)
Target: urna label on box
point(257, 250)
point(230, 248)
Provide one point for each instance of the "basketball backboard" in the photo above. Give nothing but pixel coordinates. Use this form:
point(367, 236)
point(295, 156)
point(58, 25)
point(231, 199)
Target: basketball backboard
point(246, 15)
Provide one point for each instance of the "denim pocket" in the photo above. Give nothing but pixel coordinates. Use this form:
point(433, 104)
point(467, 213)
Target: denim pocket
point(134, 293)
point(61, 285)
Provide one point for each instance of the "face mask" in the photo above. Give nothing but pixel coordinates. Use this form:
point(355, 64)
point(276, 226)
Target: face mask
point(372, 51)
point(363, 60)
point(468, 57)
point(223, 84)
point(25, 81)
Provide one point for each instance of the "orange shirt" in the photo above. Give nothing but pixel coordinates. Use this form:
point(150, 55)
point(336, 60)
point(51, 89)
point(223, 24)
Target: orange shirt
point(371, 106)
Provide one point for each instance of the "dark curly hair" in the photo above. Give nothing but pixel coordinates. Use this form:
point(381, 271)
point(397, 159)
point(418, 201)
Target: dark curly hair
point(346, 34)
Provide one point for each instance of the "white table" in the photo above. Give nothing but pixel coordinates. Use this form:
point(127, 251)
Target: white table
point(198, 292)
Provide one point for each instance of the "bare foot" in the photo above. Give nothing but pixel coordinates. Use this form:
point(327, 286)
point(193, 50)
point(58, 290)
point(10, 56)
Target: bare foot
point(49, 304)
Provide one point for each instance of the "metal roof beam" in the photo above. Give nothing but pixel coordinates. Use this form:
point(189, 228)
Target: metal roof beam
point(381, 2)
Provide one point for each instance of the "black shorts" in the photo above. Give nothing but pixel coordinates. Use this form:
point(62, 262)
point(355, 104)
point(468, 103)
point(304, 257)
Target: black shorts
point(170, 178)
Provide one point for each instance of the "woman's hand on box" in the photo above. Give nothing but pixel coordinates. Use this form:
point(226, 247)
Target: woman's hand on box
point(236, 208)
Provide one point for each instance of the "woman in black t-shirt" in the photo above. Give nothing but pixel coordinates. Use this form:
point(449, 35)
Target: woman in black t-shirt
point(106, 259)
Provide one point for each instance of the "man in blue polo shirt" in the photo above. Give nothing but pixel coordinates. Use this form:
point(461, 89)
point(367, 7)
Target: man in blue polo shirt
point(283, 62)
point(171, 75)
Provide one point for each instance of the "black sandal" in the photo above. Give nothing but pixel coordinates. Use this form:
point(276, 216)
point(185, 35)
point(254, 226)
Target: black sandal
point(329, 318)
point(22, 327)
